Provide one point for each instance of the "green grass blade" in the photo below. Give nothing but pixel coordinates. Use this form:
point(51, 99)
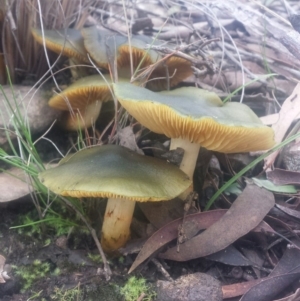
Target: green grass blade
point(248, 167)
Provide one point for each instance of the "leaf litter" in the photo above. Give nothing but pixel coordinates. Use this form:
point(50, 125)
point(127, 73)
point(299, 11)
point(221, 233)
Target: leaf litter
point(170, 232)
point(203, 220)
point(264, 289)
point(283, 177)
point(248, 210)
point(289, 211)
point(284, 274)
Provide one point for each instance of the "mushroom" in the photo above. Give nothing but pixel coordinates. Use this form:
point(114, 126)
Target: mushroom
point(82, 100)
point(101, 44)
point(105, 47)
point(174, 69)
point(192, 117)
point(68, 42)
point(122, 176)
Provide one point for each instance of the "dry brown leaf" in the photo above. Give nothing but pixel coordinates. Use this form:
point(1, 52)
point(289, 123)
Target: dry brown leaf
point(246, 213)
point(169, 232)
point(265, 289)
point(283, 177)
point(193, 223)
point(293, 297)
point(230, 256)
point(128, 139)
point(289, 211)
point(286, 272)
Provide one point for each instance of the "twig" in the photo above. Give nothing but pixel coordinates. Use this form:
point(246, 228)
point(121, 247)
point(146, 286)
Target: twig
point(107, 270)
point(195, 61)
point(10, 17)
point(162, 269)
point(181, 231)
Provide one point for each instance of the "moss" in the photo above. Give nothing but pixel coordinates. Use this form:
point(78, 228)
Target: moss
point(31, 273)
point(135, 287)
point(67, 295)
point(95, 258)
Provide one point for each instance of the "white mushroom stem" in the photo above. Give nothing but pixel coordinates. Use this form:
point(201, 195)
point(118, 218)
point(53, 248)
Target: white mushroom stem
point(116, 223)
point(189, 160)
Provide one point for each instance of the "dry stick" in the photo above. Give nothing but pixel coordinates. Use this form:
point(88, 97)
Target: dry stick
point(107, 270)
point(13, 29)
point(181, 237)
point(162, 269)
point(171, 52)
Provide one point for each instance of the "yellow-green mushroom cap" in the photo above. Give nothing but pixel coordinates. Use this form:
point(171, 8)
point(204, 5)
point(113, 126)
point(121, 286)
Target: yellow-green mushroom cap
point(96, 45)
point(197, 115)
point(82, 93)
point(103, 45)
point(115, 172)
point(178, 70)
point(68, 42)
point(84, 97)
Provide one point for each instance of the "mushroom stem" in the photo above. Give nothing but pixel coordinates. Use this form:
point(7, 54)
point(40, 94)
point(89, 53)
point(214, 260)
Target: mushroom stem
point(189, 160)
point(80, 119)
point(191, 151)
point(116, 223)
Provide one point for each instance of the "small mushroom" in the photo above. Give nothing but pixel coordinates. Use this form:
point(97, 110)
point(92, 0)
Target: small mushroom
point(82, 101)
point(193, 117)
point(120, 175)
point(68, 42)
point(105, 47)
point(104, 44)
point(174, 69)
point(101, 44)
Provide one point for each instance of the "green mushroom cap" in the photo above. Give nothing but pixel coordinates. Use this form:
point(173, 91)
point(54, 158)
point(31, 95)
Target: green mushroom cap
point(197, 115)
point(115, 172)
point(68, 41)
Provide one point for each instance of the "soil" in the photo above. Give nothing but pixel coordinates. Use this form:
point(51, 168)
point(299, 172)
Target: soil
point(73, 274)
point(69, 262)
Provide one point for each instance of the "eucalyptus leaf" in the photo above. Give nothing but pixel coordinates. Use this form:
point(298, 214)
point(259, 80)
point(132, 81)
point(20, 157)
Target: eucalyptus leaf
point(275, 188)
point(234, 188)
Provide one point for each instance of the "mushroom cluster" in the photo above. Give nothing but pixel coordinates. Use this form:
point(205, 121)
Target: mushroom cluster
point(191, 117)
point(106, 49)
